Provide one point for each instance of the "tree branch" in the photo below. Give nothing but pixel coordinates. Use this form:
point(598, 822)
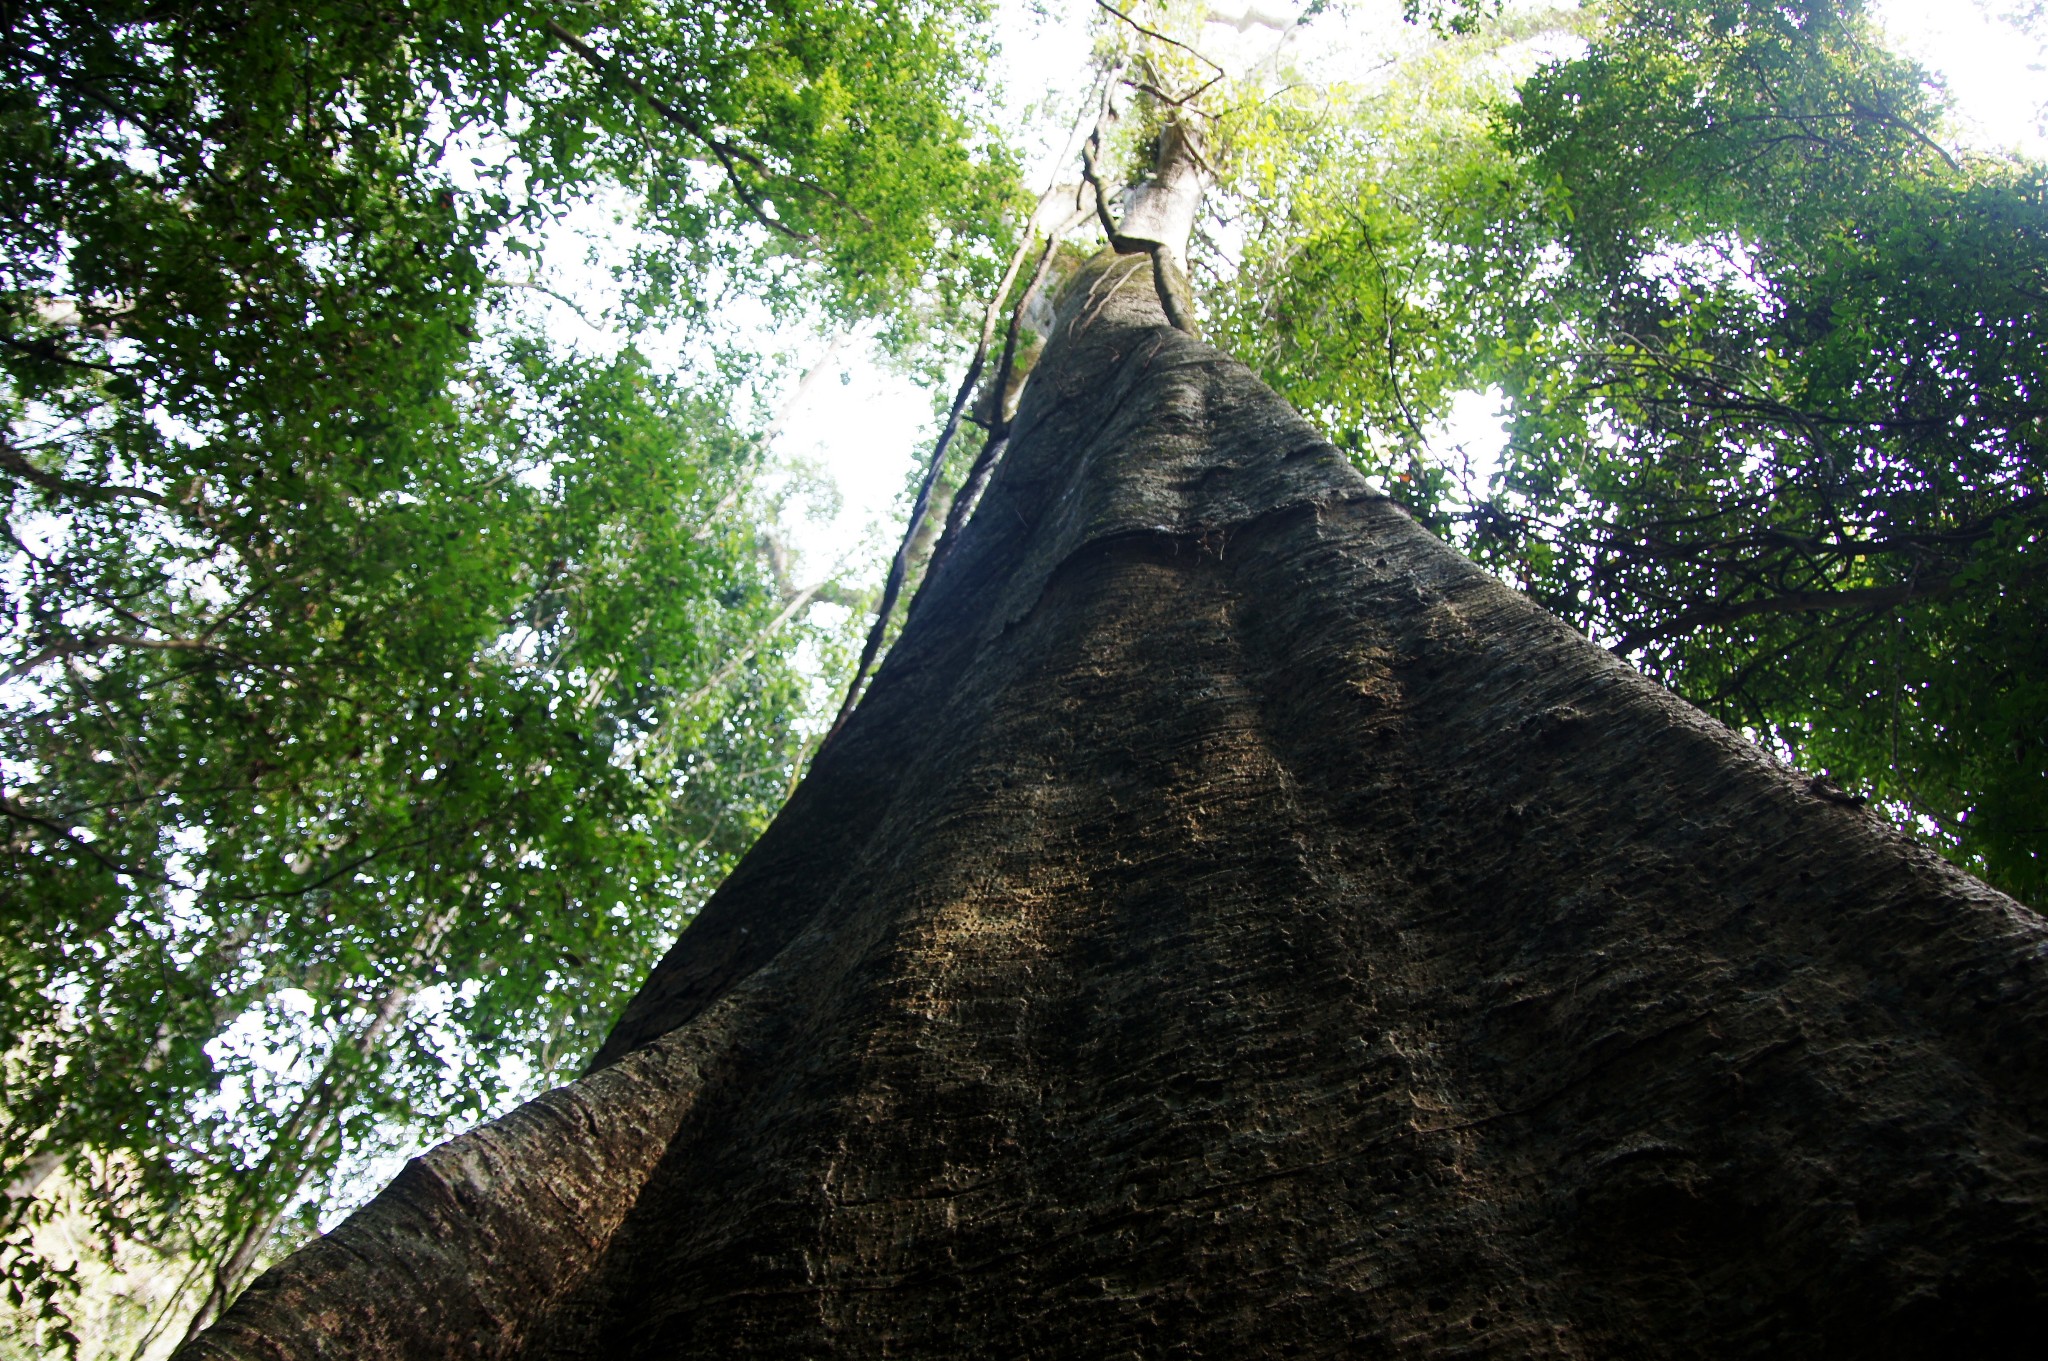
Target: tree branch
point(14, 462)
point(1790, 602)
point(798, 603)
point(88, 643)
point(1155, 34)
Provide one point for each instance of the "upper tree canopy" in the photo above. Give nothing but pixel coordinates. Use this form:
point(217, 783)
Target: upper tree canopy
point(385, 679)
point(1770, 344)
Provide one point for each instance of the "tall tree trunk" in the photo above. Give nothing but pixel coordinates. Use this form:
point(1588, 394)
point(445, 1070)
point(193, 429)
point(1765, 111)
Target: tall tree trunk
point(1233, 924)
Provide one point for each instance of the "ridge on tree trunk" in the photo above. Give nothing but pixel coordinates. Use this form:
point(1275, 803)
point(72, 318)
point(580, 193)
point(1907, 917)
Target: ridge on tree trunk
point(1234, 924)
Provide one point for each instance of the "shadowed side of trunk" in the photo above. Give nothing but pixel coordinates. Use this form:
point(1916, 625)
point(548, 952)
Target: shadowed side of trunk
point(1234, 923)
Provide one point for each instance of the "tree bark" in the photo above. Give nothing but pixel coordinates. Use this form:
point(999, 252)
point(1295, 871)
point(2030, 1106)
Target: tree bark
point(1233, 924)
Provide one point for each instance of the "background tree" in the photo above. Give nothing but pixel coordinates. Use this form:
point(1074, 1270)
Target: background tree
point(1821, 353)
point(1771, 357)
point(384, 680)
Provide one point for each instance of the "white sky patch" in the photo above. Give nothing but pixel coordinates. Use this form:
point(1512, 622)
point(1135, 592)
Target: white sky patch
point(864, 428)
point(1471, 438)
point(1996, 73)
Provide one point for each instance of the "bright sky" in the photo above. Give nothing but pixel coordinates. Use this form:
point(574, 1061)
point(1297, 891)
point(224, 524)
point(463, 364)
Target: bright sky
point(869, 432)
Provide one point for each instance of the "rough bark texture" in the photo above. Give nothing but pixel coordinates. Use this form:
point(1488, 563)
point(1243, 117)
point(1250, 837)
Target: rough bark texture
point(1235, 925)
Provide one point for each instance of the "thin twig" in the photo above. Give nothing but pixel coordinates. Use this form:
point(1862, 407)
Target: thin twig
point(729, 154)
point(1177, 101)
point(797, 604)
point(87, 644)
point(21, 467)
point(536, 286)
point(1194, 52)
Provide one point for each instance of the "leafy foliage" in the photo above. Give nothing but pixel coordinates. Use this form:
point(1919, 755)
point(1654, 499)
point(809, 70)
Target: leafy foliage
point(1782, 425)
point(1382, 228)
point(1772, 357)
point(384, 682)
